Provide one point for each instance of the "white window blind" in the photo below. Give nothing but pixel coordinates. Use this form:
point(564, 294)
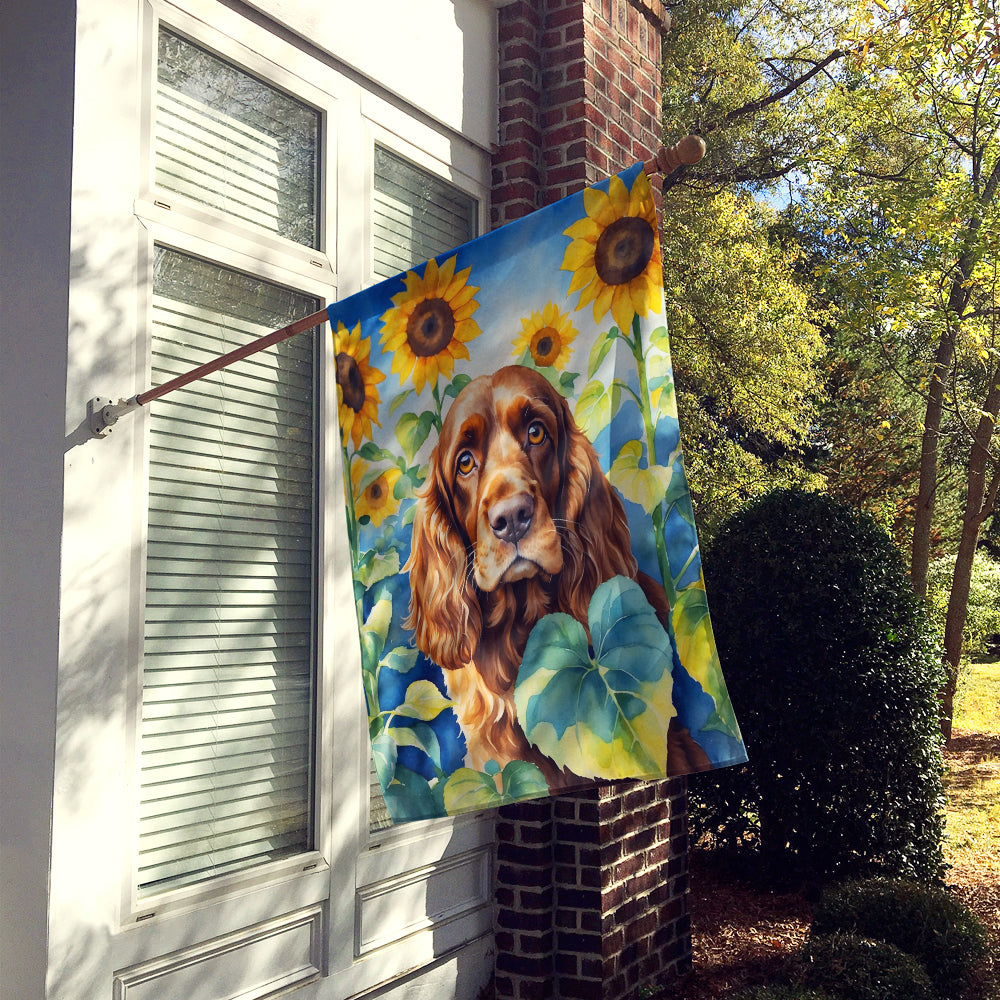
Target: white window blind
point(228, 661)
point(416, 216)
point(230, 141)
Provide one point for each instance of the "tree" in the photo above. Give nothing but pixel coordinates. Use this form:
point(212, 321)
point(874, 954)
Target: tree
point(747, 353)
point(914, 184)
point(747, 358)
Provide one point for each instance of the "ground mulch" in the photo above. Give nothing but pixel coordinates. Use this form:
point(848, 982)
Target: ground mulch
point(742, 934)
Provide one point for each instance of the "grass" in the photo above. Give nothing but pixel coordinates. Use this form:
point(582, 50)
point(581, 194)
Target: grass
point(978, 698)
point(972, 848)
point(973, 784)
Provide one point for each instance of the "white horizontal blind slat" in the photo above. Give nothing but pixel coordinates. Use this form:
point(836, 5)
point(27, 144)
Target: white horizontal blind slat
point(228, 652)
point(228, 140)
point(415, 216)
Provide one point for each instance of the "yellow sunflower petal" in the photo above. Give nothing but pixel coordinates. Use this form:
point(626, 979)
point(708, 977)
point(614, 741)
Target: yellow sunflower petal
point(578, 254)
point(446, 274)
point(643, 296)
point(462, 296)
point(602, 302)
point(618, 195)
point(584, 229)
point(464, 315)
point(599, 207)
point(585, 278)
point(621, 307)
point(456, 350)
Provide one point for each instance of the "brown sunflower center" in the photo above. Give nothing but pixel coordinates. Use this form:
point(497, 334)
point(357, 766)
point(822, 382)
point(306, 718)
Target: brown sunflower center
point(430, 327)
point(351, 382)
point(376, 491)
point(545, 346)
point(623, 250)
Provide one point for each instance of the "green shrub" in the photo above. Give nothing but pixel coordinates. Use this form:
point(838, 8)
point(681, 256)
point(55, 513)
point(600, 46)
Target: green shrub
point(926, 922)
point(856, 968)
point(833, 672)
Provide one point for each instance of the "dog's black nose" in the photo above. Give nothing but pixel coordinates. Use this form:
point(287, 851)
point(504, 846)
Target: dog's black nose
point(510, 518)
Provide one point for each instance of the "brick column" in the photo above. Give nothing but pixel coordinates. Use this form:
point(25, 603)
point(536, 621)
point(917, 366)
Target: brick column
point(579, 96)
point(591, 890)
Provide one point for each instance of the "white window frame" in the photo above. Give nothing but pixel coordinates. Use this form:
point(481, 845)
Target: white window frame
point(352, 874)
point(180, 224)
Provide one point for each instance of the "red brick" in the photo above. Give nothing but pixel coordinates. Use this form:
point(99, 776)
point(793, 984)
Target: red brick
point(572, 988)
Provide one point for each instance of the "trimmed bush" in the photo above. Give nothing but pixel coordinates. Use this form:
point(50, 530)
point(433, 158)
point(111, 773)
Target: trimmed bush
point(834, 673)
point(926, 922)
point(857, 968)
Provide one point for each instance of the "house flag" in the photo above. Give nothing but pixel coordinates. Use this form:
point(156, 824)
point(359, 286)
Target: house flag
point(530, 600)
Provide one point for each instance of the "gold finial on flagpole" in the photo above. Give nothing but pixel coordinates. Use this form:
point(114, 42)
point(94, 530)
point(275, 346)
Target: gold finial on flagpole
point(668, 158)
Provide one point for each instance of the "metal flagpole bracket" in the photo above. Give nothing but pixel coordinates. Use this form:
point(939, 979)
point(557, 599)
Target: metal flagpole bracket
point(103, 413)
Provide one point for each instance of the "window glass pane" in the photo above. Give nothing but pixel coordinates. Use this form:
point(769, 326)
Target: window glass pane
point(228, 657)
point(231, 141)
point(416, 216)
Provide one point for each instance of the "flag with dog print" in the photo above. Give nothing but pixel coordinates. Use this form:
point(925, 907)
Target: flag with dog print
point(527, 576)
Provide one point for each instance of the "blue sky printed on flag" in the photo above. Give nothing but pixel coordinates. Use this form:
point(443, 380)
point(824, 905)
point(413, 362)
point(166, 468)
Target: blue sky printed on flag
point(531, 606)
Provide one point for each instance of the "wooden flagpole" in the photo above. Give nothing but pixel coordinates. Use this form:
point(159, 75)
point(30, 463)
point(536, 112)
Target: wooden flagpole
point(102, 413)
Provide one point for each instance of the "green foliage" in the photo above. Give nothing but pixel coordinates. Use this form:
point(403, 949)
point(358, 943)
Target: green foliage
point(857, 968)
point(983, 612)
point(833, 673)
point(747, 354)
point(926, 922)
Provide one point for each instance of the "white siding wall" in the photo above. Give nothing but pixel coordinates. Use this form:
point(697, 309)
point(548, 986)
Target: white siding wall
point(36, 111)
point(74, 299)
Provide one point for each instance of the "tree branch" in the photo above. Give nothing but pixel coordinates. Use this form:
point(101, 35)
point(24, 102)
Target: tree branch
point(754, 106)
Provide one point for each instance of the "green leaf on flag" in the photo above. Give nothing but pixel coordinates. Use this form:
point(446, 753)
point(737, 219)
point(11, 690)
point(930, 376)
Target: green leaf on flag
point(412, 431)
point(698, 655)
point(418, 735)
point(600, 350)
point(423, 701)
point(593, 409)
point(376, 566)
point(644, 486)
point(374, 633)
point(458, 383)
point(604, 715)
point(384, 753)
point(467, 790)
point(398, 401)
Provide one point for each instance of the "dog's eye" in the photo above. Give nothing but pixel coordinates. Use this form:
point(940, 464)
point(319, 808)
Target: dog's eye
point(465, 463)
point(536, 432)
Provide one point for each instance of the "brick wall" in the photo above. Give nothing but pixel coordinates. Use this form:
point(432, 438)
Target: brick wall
point(591, 890)
point(579, 96)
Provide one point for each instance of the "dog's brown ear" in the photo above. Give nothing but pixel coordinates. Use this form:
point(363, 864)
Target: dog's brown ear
point(596, 541)
point(444, 610)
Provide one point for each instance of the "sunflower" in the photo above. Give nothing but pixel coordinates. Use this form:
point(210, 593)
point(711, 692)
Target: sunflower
point(373, 491)
point(431, 323)
point(614, 253)
point(547, 335)
point(357, 396)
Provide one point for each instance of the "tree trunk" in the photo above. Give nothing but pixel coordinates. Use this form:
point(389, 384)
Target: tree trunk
point(920, 553)
point(958, 300)
point(979, 499)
